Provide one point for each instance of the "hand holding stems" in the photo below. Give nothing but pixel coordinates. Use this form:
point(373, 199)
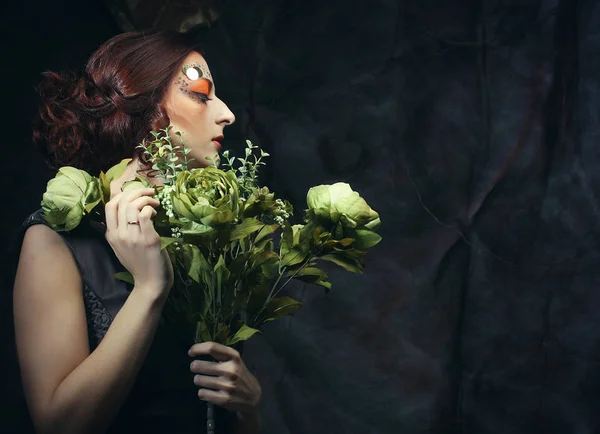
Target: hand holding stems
point(226, 382)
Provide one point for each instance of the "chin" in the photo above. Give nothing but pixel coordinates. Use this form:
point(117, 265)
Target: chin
point(200, 162)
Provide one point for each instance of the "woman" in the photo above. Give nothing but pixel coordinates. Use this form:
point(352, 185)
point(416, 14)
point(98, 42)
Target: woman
point(95, 354)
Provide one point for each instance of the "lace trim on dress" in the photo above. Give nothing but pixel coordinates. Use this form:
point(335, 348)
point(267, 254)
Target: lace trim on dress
point(98, 317)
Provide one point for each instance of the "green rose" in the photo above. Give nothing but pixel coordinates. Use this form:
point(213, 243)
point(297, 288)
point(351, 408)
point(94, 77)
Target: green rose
point(338, 202)
point(69, 195)
point(208, 196)
point(349, 214)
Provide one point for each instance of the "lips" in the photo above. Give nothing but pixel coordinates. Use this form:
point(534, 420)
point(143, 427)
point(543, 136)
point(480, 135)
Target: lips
point(217, 142)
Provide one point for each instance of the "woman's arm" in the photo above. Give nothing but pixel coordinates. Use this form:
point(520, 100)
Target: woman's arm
point(69, 390)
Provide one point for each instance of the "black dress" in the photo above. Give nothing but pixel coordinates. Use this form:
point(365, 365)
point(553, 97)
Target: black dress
point(163, 398)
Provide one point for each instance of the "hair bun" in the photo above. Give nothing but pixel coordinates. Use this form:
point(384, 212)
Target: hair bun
point(68, 116)
point(95, 119)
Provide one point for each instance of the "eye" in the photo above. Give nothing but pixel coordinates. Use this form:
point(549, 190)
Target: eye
point(202, 96)
point(192, 72)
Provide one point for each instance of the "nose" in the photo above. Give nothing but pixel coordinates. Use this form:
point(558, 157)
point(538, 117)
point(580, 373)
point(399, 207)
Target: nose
point(226, 116)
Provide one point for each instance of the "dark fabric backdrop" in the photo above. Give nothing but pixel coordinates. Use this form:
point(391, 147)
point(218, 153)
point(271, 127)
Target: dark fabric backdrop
point(471, 126)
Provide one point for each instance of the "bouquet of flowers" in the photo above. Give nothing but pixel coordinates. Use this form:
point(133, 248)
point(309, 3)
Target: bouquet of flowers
point(230, 240)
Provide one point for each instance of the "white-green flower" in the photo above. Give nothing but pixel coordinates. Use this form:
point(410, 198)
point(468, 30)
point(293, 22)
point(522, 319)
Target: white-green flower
point(208, 196)
point(339, 203)
point(68, 196)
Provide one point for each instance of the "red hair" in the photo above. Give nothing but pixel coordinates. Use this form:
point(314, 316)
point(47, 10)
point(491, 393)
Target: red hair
point(94, 120)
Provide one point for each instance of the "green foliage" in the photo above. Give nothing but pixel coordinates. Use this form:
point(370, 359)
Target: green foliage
point(125, 276)
point(167, 159)
point(219, 228)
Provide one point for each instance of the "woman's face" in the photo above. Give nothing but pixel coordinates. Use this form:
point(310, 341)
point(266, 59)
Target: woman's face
point(195, 111)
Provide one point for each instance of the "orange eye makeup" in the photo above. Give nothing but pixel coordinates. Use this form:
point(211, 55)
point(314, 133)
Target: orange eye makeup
point(201, 86)
point(196, 82)
point(197, 90)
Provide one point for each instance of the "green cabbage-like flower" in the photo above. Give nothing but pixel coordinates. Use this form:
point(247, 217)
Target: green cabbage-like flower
point(348, 213)
point(69, 195)
point(208, 196)
point(338, 202)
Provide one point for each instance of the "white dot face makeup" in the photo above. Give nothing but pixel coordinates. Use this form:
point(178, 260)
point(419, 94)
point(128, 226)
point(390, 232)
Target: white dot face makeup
point(195, 71)
point(192, 74)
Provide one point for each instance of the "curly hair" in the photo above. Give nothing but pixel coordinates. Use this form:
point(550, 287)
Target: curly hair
point(95, 119)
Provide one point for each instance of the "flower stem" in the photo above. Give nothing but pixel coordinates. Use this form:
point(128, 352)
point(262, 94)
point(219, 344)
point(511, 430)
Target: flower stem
point(210, 418)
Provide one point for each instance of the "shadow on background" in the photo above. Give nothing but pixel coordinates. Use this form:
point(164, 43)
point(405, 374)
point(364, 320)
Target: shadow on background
point(471, 126)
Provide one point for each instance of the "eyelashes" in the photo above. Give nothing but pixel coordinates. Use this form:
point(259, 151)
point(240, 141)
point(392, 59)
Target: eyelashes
point(202, 97)
point(198, 92)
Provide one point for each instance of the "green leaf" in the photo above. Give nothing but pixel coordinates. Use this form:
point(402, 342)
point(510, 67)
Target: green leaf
point(90, 206)
point(167, 241)
point(221, 336)
point(279, 307)
point(366, 239)
point(245, 228)
point(202, 333)
point(294, 256)
point(125, 276)
point(196, 264)
point(243, 334)
point(262, 258)
point(347, 263)
point(238, 265)
point(311, 275)
point(134, 185)
point(257, 298)
point(346, 241)
point(197, 233)
point(117, 170)
point(287, 239)
point(266, 230)
point(104, 187)
point(222, 274)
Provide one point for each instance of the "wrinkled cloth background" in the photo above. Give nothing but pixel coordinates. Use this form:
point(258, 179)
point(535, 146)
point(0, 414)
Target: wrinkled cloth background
point(472, 126)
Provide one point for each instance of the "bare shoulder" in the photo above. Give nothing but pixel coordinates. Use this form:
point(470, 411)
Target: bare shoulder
point(44, 254)
point(49, 315)
point(40, 236)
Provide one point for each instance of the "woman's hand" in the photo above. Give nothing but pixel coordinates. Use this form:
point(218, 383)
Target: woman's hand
point(131, 234)
point(227, 383)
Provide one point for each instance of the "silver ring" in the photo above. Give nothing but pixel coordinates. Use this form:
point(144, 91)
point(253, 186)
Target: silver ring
point(133, 223)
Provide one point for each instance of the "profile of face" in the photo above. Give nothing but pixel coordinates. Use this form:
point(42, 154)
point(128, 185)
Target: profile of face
point(195, 111)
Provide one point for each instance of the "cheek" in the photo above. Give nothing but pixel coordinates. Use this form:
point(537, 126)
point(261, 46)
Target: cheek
point(186, 112)
point(191, 121)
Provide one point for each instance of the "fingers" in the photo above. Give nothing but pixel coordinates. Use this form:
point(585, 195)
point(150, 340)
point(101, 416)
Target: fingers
point(113, 210)
point(219, 398)
point(145, 219)
point(205, 367)
point(219, 352)
point(229, 371)
point(214, 383)
point(110, 211)
point(129, 209)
